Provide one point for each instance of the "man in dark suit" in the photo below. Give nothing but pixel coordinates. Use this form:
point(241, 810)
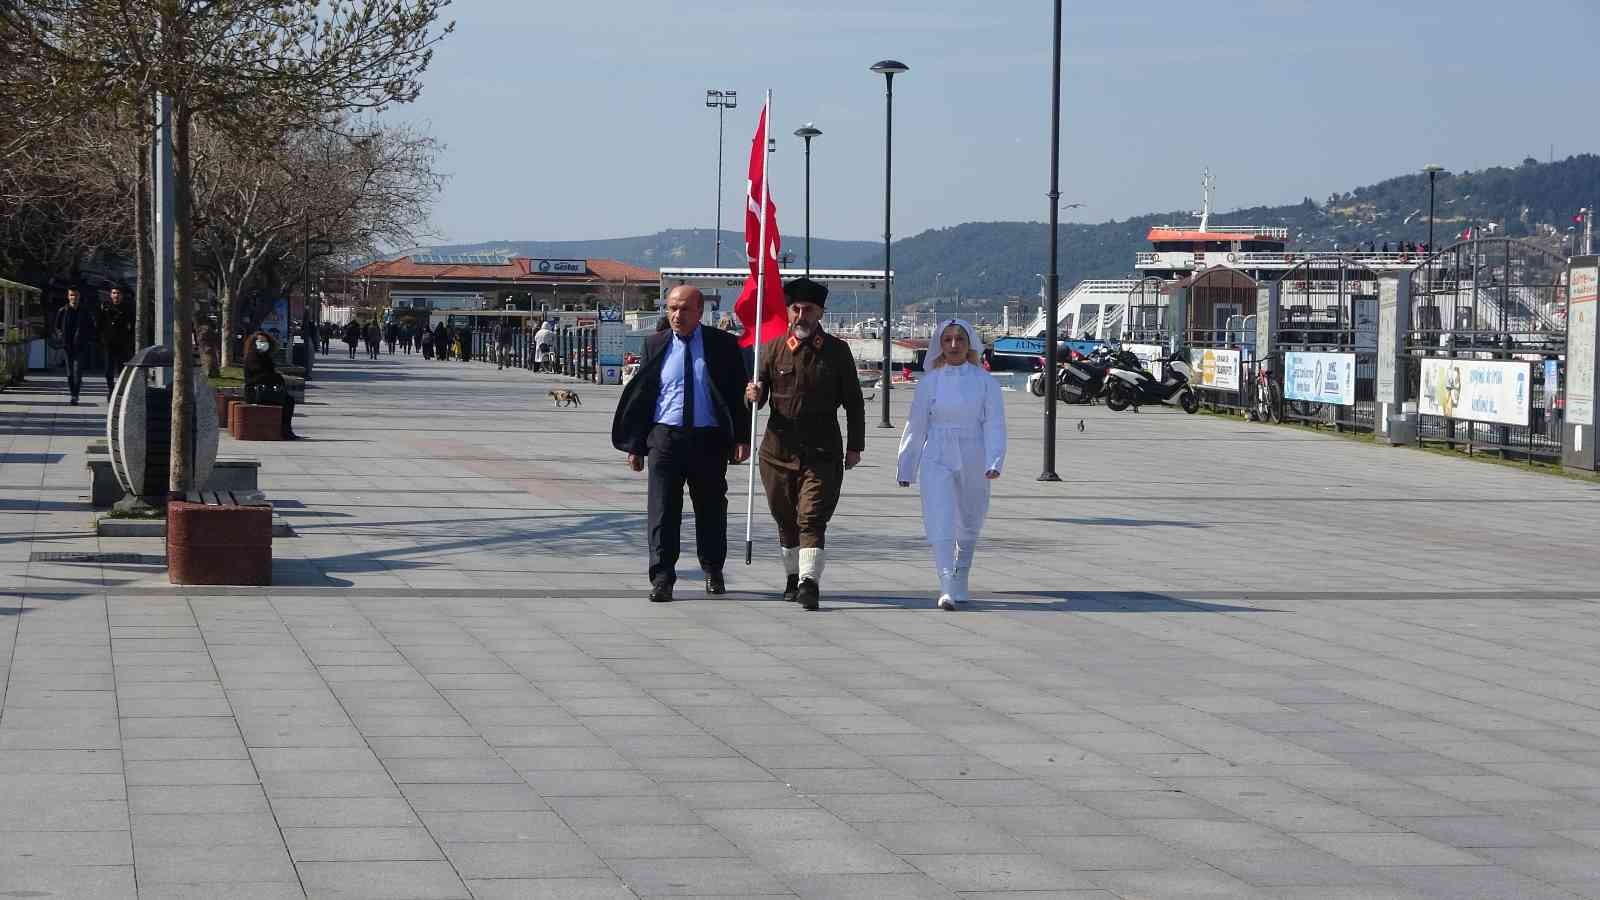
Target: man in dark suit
point(75, 329)
point(684, 414)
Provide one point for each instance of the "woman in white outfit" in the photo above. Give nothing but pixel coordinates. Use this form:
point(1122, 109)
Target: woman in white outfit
point(954, 443)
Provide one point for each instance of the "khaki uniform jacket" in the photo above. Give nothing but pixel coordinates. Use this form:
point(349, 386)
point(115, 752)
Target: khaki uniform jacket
point(805, 385)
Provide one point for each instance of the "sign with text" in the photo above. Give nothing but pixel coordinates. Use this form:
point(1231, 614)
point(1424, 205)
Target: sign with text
point(1215, 369)
point(1581, 331)
point(1478, 390)
point(1320, 377)
point(558, 267)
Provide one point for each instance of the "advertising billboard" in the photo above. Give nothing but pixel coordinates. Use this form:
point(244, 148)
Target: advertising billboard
point(1320, 377)
point(1478, 390)
point(1215, 369)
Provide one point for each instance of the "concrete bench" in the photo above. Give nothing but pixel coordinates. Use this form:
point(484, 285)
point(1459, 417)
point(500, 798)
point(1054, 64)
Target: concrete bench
point(226, 475)
point(219, 537)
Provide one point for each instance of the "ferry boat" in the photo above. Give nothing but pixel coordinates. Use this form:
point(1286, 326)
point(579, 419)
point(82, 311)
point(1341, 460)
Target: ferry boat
point(1226, 263)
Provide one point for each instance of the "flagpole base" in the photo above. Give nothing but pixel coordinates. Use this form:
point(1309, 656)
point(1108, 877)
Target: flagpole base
point(749, 551)
point(1048, 476)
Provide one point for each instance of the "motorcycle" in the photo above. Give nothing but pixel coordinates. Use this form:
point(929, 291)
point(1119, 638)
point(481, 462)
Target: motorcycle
point(1082, 379)
point(1132, 386)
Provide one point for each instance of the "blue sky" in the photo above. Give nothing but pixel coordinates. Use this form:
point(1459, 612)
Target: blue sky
point(587, 120)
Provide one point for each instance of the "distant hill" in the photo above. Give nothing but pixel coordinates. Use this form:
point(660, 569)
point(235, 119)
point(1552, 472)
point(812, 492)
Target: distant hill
point(999, 259)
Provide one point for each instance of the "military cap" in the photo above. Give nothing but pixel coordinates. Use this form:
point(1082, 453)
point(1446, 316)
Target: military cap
point(804, 290)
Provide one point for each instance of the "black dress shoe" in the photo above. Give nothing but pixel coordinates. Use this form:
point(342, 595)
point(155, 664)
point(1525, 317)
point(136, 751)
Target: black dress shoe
point(808, 594)
point(661, 593)
point(715, 584)
point(791, 589)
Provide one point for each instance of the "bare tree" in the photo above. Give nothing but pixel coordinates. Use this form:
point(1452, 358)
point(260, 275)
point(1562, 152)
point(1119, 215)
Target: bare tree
point(254, 67)
point(344, 195)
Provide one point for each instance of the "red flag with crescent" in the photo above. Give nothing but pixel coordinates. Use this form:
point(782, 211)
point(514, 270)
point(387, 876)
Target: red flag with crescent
point(773, 314)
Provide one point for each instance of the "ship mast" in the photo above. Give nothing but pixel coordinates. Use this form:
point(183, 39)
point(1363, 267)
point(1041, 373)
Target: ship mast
point(1208, 187)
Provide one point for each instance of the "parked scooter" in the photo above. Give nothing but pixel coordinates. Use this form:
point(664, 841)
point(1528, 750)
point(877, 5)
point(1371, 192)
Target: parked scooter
point(1082, 379)
point(1132, 386)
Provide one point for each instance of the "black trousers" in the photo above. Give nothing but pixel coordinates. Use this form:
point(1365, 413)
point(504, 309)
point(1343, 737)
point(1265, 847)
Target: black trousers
point(75, 360)
point(115, 360)
point(697, 457)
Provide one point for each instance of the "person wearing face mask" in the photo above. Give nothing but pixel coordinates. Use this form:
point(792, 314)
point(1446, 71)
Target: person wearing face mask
point(954, 444)
point(263, 383)
point(807, 376)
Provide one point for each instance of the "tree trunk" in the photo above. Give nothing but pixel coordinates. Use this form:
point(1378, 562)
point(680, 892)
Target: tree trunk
point(183, 439)
point(225, 308)
point(144, 287)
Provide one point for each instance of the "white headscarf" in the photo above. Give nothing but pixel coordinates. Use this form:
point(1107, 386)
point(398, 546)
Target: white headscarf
point(936, 349)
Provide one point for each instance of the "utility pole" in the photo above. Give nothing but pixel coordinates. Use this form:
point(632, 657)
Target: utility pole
point(164, 206)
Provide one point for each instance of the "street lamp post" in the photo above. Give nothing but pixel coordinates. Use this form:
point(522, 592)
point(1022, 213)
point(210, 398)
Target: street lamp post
point(721, 101)
point(806, 134)
point(1433, 171)
point(1048, 470)
point(888, 68)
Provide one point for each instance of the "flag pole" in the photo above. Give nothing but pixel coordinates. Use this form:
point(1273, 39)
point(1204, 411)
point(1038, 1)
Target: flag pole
point(761, 296)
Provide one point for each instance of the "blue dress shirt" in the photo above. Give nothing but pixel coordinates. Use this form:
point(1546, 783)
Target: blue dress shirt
point(669, 402)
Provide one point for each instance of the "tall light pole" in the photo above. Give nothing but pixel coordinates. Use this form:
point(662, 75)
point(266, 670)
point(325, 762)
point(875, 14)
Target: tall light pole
point(806, 134)
point(721, 101)
point(888, 68)
point(1048, 470)
point(1433, 171)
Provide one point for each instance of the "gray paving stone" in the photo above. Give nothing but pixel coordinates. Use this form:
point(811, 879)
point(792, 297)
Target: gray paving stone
point(398, 880)
point(360, 844)
point(697, 877)
point(497, 827)
point(608, 888)
point(964, 872)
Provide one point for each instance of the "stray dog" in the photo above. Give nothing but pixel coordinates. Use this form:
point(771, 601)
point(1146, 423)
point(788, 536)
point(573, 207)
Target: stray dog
point(564, 397)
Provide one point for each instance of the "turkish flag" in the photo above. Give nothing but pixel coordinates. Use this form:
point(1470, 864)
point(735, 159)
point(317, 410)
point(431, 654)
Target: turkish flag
point(773, 314)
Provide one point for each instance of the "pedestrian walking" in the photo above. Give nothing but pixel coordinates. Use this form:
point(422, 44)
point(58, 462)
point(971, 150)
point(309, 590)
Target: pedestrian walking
point(427, 344)
point(374, 340)
point(391, 336)
point(114, 325)
point(683, 416)
point(953, 445)
point(544, 357)
point(441, 342)
point(75, 329)
point(504, 336)
point(326, 334)
point(807, 376)
point(352, 336)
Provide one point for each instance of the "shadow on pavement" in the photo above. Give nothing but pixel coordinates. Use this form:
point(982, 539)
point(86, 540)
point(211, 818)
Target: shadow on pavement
point(1049, 601)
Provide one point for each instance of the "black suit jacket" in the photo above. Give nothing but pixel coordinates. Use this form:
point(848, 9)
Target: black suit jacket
point(636, 410)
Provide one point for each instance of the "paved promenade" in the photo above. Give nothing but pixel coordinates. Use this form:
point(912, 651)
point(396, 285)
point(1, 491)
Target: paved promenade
point(1217, 660)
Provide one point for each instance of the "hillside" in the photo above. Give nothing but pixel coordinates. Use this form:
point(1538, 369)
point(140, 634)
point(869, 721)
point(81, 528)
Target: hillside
point(999, 259)
point(673, 247)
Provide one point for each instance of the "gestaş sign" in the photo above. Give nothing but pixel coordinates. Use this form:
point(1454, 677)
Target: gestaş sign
point(1320, 377)
point(558, 266)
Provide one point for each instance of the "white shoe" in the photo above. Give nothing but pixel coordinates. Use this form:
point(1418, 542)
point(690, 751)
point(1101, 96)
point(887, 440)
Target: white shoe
point(960, 592)
point(947, 579)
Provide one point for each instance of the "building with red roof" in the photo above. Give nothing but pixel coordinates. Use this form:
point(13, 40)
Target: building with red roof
point(428, 281)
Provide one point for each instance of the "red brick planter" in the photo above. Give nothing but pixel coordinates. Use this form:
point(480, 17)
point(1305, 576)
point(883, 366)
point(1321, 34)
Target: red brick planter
point(225, 396)
point(255, 422)
point(219, 544)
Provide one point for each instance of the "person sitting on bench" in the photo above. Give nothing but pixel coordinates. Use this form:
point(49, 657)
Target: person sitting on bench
point(263, 384)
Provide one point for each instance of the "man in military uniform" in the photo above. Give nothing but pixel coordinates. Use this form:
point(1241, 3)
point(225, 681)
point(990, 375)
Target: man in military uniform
point(806, 375)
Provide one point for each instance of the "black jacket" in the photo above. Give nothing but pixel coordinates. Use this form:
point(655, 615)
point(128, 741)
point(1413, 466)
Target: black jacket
point(75, 327)
point(115, 324)
point(636, 409)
